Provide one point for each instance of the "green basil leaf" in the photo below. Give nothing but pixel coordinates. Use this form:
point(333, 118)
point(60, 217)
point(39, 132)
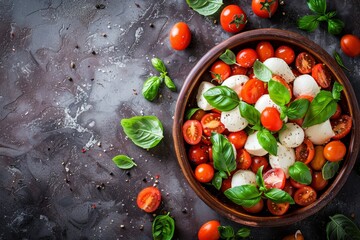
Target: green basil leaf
point(223, 175)
point(228, 57)
point(300, 172)
point(123, 162)
point(340, 61)
point(222, 98)
point(321, 109)
point(243, 232)
point(298, 108)
point(261, 71)
point(169, 83)
point(259, 178)
point(244, 195)
point(151, 88)
point(217, 180)
point(144, 131)
point(163, 227)
point(330, 169)
point(250, 113)
point(308, 23)
point(317, 6)
point(331, 14)
point(279, 94)
point(336, 91)
point(279, 196)
point(159, 65)
point(226, 232)
point(205, 7)
point(335, 26)
point(341, 228)
point(223, 153)
point(190, 112)
point(267, 141)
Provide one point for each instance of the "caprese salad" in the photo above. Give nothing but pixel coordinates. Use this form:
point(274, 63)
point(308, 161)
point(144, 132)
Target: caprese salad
point(268, 128)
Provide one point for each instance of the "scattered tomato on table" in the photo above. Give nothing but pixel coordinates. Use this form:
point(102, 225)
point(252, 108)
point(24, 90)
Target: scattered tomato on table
point(264, 8)
point(180, 36)
point(350, 45)
point(149, 199)
point(233, 18)
point(209, 231)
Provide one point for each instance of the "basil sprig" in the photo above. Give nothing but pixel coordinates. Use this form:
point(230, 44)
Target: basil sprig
point(279, 94)
point(251, 114)
point(218, 178)
point(341, 228)
point(123, 162)
point(300, 173)
point(330, 169)
point(297, 109)
point(278, 196)
point(228, 57)
point(205, 7)
point(267, 141)
point(223, 153)
point(261, 71)
point(190, 112)
point(163, 227)
point(227, 232)
point(222, 98)
point(144, 131)
point(339, 60)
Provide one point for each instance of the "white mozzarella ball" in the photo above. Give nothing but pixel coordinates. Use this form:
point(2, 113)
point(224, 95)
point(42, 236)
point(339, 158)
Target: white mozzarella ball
point(292, 136)
point(305, 85)
point(279, 67)
point(284, 159)
point(243, 177)
point(200, 99)
point(233, 120)
point(320, 133)
point(236, 82)
point(253, 146)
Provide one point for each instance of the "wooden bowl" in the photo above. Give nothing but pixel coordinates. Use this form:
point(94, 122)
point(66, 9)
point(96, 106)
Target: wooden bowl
point(216, 200)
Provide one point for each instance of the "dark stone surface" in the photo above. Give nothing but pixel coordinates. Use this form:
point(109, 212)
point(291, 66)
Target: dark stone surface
point(69, 71)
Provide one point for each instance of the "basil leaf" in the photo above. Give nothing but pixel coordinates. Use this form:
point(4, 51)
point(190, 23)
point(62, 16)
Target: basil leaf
point(228, 57)
point(243, 232)
point(222, 98)
point(205, 7)
point(259, 179)
point(335, 26)
point(267, 141)
point(151, 88)
point(340, 61)
point(336, 91)
point(190, 112)
point(226, 232)
point(331, 14)
point(330, 169)
point(279, 94)
point(250, 113)
point(217, 180)
point(341, 228)
point(261, 71)
point(169, 83)
point(297, 109)
point(308, 23)
point(245, 195)
point(317, 6)
point(144, 131)
point(163, 227)
point(223, 175)
point(300, 173)
point(159, 65)
point(123, 162)
point(321, 109)
point(279, 196)
point(223, 153)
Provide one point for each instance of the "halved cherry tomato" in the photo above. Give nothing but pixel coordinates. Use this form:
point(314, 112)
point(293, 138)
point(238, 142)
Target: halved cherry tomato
point(321, 73)
point(264, 8)
point(264, 50)
point(220, 71)
point(318, 182)
point(226, 184)
point(233, 18)
point(256, 208)
point(198, 115)
point(246, 57)
point(198, 154)
point(252, 90)
point(285, 53)
point(281, 80)
point(204, 172)
point(334, 151)
point(257, 162)
point(243, 159)
point(211, 123)
point(305, 152)
point(289, 188)
point(149, 199)
point(277, 209)
point(319, 160)
point(192, 131)
point(337, 113)
point(237, 70)
point(341, 126)
point(270, 119)
point(305, 196)
point(209, 231)
point(350, 45)
point(238, 139)
point(180, 36)
point(304, 62)
point(296, 184)
point(274, 178)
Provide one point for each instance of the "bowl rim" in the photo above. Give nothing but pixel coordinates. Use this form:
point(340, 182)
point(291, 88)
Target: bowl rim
point(248, 37)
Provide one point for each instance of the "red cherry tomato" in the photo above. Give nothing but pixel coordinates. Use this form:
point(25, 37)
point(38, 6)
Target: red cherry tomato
point(192, 131)
point(275, 178)
point(198, 154)
point(246, 57)
point(337, 113)
point(270, 119)
point(252, 90)
point(211, 123)
point(289, 188)
point(209, 231)
point(233, 19)
point(285, 53)
point(305, 152)
point(238, 139)
point(277, 209)
point(220, 71)
point(341, 126)
point(198, 115)
point(264, 8)
point(257, 162)
point(264, 50)
point(204, 172)
point(321, 74)
point(243, 159)
point(318, 182)
point(226, 184)
point(305, 196)
point(206, 140)
point(350, 45)
point(334, 151)
point(180, 36)
point(296, 184)
point(304, 62)
point(237, 70)
point(256, 208)
point(149, 199)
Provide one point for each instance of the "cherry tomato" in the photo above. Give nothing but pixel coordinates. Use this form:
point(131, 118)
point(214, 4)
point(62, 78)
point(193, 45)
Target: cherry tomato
point(341, 126)
point(297, 236)
point(243, 159)
point(198, 115)
point(237, 70)
point(277, 209)
point(281, 80)
point(180, 36)
point(296, 184)
point(318, 182)
point(264, 8)
point(319, 160)
point(252, 90)
point(256, 208)
point(289, 188)
point(204, 172)
point(149, 199)
point(285, 53)
point(211, 123)
point(270, 119)
point(304, 62)
point(206, 140)
point(246, 57)
point(192, 131)
point(337, 113)
point(226, 184)
point(209, 231)
point(257, 162)
point(350, 45)
point(198, 154)
point(233, 19)
point(264, 50)
point(210, 154)
point(334, 151)
point(305, 196)
point(220, 71)
point(238, 139)
point(321, 73)
point(275, 178)
point(305, 152)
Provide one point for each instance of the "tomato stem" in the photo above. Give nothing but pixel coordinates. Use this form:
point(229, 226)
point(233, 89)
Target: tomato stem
point(266, 6)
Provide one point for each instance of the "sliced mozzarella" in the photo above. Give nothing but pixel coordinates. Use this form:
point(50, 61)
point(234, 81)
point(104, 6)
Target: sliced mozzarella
point(279, 67)
point(320, 133)
point(292, 136)
point(242, 177)
point(253, 146)
point(284, 159)
point(236, 82)
point(265, 101)
point(201, 101)
point(305, 85)
point(233, 120)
